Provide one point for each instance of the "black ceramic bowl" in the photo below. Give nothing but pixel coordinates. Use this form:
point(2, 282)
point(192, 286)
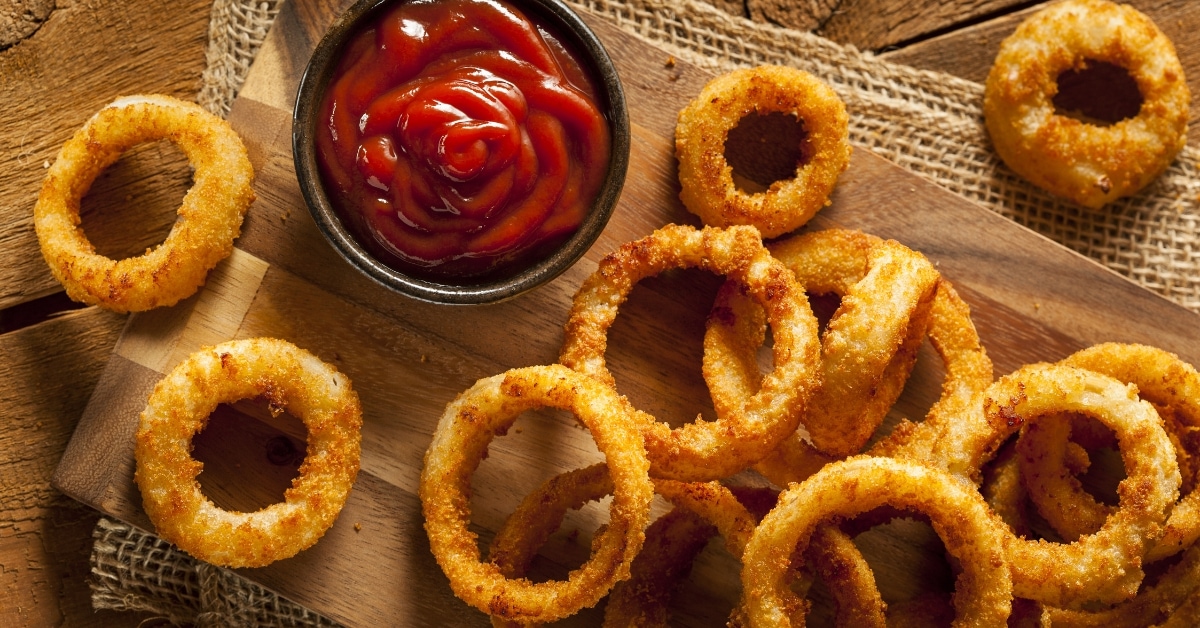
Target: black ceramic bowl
point(594, 59)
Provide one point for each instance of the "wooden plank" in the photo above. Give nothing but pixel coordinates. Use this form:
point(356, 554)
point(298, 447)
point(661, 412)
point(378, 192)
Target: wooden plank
point(408, 359)
point(46, 378)
point(83, 56)
point(874, 24)
point(969, 52)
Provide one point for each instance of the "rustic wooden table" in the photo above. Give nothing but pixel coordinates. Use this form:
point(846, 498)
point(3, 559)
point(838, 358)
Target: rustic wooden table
point(79, 56)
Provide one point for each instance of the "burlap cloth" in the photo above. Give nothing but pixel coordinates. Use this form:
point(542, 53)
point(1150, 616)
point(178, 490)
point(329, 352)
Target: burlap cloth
point(927, 122)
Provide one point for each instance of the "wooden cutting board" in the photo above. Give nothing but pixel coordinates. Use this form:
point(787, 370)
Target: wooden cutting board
point(1032, 300)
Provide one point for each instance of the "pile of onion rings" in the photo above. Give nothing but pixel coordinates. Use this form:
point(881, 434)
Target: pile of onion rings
point(288, 378)
point(936, 465)
point(210, 217)
point(986, 457)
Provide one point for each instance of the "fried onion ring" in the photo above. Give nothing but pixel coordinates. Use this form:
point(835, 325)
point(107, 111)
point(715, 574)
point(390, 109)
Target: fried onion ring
point(867, 349)
point(1152, 606)
point(735, 512)
point(1161, 378)
point(672, 543)
point(968, 373)
point(460, 442)
point(1105, 566)
point(850, 487)
point(1089, 164)
point(288, 378)
point(209, 218)
point(704, 450)
point(708, 189)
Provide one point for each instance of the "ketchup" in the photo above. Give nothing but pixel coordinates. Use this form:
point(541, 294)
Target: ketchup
point(459, 141)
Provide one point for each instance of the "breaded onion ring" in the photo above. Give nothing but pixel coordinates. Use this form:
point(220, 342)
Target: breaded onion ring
point(1161, 378)
point(968, 373)
point(735, 512)
point(708, 189)
point(850, 487)
point(209, 218)
point(289, 378)
point(1153, 605)
point(1003, 490)
point(460, 443)
point(706, 450)
point(1086, 163)
point(672, 543)
point(1105, 566)
point(867, 349)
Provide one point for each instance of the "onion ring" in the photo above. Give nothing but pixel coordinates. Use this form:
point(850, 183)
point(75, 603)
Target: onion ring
point(1003, 490)
point(672, 543)
point(1161, 378)
point(708, 189)
point(1086, 163)
point(706, 450)
point(831, 554)
point(846, 488)
point(867, 350)
point(968, 373)
point(460, 442)
point(289, 378)
point(1161, 602)
point(1105, 566)
point(210, 217)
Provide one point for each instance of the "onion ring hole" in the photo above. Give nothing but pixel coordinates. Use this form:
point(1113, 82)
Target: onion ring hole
point(673, 351)
point(243, 441)
point(1097, 93)
point(765, 148)
point(134, 202)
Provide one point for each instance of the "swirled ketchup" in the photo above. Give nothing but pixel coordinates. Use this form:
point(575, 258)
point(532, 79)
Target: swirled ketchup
point(459, 141)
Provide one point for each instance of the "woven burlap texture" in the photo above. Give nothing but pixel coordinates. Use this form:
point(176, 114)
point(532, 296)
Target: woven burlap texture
point(929, 123)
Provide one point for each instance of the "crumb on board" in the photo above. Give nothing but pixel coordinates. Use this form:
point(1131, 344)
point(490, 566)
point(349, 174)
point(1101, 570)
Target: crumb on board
point(357, 527)
point(670, 61)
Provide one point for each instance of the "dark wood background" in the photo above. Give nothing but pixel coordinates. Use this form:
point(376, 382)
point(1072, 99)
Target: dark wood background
point(59, 65)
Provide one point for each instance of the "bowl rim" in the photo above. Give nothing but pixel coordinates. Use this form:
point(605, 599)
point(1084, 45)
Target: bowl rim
point(580, 38)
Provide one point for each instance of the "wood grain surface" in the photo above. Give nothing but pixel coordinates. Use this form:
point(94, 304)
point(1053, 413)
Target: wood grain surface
point(82, 57)
point(60, 62)
point(408, 359)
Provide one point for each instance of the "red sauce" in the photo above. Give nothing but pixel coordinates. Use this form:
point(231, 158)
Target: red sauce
point(460, 141)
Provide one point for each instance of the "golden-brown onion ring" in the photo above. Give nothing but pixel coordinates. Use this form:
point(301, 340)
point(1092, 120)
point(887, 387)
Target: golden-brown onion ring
point(867, 350)
point(1153, 604)
point(706, 450)
point(209, 218)
point(1105, 566)
point(1086, 163)
point(968, 373)
point(850, 487)
point(708, 189)
point(1003, 490)
point(460, 442)
point(289, 378)
point(1161, 378)
point(672, 543)
point(831, 554)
